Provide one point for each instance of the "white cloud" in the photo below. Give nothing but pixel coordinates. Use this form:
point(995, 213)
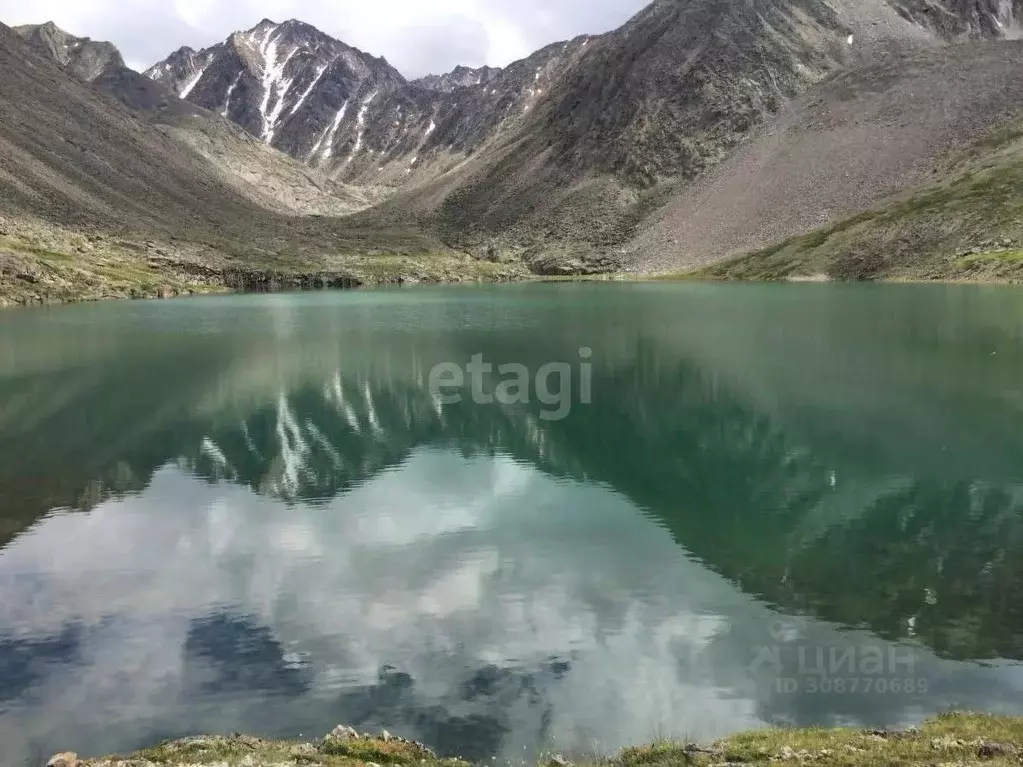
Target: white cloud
point(498, 567)
point(414, 36)
point(477, 571)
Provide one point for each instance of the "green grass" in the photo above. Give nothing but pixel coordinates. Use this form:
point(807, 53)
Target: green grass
point(17, 245)
point(215, 750)
point(65, 266)
point(949, 739)
point(426, 267)
point(243, 751)
point(1012, 255)
point(952, 739)
point(376, 751)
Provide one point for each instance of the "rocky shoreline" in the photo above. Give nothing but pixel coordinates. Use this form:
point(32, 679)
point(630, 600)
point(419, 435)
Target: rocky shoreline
point(951, 739)
point(34, 273)
point(54, 267)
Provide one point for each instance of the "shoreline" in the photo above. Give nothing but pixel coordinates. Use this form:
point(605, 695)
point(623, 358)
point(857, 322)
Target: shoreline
point(190, 280)
point(44, 265)
point(952, 739)
point(47, 265)
point(257, 282)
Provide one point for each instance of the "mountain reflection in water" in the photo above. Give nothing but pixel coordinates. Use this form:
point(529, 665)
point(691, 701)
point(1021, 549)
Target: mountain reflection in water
point(250, 513)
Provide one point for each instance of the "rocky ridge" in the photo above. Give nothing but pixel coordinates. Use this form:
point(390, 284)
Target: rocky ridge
point(258, 172)
point(84, 58)
point(301, 90)
point(347, 112)
point(459, 77)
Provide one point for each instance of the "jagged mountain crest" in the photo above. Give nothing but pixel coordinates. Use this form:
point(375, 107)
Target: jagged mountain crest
point(264, 79)
point(131, 154)
point(660, 98)
point(459, 77)
point(189, 64)
point(336, 107)
point(82, 57)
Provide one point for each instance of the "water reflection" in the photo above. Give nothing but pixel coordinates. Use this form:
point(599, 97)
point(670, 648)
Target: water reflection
point(265, 522)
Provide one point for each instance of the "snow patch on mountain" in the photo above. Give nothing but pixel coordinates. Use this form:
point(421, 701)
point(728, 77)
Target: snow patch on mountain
point(275, 85)
point(230, 93)
point(326, 141)
point(361, 124)
point(193, 81)
point(313, 84)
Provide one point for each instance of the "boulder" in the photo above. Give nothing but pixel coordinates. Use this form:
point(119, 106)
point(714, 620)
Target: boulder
point(343, 732)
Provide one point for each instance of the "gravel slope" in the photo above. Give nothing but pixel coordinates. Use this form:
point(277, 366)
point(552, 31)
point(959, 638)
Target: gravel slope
point(843, 146)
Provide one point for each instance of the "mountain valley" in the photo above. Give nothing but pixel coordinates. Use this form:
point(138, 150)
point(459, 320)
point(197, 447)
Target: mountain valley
point(696, 133)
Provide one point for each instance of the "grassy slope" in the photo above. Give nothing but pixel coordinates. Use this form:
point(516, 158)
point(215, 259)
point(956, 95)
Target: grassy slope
point(41, 263)
point(966, 226)
point(953, 739)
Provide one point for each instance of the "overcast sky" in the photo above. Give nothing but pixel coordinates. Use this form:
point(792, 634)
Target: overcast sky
point(417, 37)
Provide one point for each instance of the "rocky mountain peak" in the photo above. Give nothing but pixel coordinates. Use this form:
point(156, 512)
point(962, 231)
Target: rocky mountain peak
point(459, 77)
point(84, 58)
point(51, 28)
point(287, 83)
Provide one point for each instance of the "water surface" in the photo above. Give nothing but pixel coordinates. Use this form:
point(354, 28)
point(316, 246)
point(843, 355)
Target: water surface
point(784, 504)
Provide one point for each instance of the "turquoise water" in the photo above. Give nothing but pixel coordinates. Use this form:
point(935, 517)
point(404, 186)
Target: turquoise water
point(746, 505)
